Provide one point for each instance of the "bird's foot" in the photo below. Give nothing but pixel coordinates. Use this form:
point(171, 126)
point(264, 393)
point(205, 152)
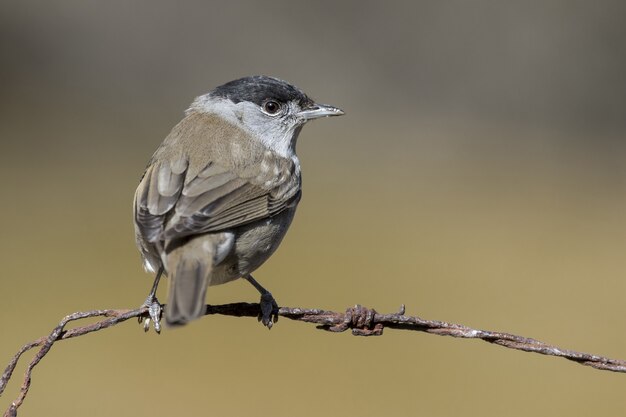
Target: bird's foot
point(155, 312)
point(269, 310)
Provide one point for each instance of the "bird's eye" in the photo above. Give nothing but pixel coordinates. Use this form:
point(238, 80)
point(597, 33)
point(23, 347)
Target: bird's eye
point(271, 107)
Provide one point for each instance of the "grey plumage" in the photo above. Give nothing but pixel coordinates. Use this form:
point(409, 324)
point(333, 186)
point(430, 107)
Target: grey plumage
point(216, 200)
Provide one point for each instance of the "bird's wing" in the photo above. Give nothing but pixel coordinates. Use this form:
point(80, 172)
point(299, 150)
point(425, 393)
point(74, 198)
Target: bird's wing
point(157, 194)
point(168, 205)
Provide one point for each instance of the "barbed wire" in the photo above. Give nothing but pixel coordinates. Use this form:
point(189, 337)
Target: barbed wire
point(360, 320)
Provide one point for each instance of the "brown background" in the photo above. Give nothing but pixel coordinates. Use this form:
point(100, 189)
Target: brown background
point(478, 176)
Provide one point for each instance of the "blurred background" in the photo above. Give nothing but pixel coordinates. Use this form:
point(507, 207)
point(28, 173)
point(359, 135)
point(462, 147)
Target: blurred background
point(478, 177)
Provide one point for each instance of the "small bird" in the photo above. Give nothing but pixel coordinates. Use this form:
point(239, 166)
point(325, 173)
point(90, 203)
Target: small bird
point(219, 194)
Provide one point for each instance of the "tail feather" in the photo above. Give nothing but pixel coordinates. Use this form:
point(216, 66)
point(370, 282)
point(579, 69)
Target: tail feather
point(187, 292)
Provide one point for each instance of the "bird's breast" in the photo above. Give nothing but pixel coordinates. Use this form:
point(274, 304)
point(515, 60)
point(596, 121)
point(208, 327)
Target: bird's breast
point(254, 244)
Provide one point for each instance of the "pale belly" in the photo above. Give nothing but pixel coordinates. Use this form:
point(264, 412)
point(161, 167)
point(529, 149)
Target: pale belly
point(254, 244)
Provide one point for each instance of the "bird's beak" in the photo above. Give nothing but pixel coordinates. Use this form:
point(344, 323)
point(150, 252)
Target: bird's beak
point(319, 110)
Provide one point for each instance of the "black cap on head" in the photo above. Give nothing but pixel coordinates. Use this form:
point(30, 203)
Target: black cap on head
point(259, 88)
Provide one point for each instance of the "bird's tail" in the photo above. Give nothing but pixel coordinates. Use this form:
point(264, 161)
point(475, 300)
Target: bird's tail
point(189, 272)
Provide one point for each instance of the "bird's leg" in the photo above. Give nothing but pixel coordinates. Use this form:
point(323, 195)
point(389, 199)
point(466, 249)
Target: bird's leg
point(155, 310)
point(269, 307)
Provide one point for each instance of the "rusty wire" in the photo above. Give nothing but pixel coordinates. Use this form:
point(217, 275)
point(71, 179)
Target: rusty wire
point(360, 320)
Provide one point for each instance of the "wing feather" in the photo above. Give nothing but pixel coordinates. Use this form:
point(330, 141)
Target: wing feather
point(206, 204)
point(181, 196)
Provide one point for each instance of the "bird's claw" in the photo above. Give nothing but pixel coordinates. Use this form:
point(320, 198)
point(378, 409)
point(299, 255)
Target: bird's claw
point(155, 312)
point(269, 310)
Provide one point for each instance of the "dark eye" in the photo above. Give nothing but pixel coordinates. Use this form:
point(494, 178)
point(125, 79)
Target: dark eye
point(271, 107)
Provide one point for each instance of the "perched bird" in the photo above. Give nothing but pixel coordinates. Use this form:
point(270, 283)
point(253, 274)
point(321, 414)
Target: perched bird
point(219, 194)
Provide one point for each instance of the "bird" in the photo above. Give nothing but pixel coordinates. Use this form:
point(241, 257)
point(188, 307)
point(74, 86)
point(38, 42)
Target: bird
point(220, 192)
